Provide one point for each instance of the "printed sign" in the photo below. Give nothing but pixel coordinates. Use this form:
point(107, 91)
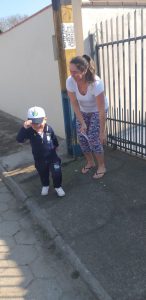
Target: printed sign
point(68, 35)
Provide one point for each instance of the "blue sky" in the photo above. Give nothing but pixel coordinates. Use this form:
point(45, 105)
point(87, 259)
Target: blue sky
point(21, 7)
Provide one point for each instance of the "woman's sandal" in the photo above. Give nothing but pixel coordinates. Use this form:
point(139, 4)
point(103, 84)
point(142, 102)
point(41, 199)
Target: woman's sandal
point(99, 175)
point(85, 169)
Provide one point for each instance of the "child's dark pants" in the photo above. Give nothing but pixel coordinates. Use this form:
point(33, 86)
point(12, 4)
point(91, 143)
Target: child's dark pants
point(44, 167)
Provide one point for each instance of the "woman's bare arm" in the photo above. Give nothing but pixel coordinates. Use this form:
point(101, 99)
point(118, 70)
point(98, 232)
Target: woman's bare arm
point(101, 109)
point(76, 109)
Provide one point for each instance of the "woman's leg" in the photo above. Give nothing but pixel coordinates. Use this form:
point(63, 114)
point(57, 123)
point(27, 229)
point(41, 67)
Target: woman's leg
point(89, 162)
point(97, 148)
point(101, 166)
point(84, 144)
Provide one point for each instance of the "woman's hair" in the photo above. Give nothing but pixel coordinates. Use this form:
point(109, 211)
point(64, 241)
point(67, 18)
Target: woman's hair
point(85, 64)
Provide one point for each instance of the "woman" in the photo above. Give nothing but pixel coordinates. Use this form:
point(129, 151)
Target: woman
point(86, 93)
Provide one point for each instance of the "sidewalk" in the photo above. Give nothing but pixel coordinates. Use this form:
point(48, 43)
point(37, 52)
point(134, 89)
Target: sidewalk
point(30, 266)
point(99, 225)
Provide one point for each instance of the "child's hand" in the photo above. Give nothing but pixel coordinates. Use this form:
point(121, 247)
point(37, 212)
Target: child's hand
point(27, 124)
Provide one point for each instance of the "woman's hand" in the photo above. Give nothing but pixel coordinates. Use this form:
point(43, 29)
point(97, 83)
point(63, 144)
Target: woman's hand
point(103, 138)
point(76, 109)
point(83, 128)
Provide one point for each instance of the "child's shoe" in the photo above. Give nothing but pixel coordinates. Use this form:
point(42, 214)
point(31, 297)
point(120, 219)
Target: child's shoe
point(60, 192)
point(45, 190)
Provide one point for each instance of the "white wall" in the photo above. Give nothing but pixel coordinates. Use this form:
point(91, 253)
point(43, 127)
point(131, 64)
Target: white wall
point(125, 65)
point(28, 72)
point(95, 15)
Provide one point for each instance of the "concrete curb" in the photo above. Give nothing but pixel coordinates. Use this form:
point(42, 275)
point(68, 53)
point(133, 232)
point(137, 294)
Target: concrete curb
point(42, 219)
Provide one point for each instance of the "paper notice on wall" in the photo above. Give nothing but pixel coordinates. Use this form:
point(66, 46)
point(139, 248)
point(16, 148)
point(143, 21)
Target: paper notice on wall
point(68, 35)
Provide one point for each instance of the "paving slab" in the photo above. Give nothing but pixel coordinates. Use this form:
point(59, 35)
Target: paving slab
point(30, 266)
point(103, 222)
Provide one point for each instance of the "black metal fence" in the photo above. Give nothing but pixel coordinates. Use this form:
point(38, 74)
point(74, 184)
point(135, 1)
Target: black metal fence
point(120, 53)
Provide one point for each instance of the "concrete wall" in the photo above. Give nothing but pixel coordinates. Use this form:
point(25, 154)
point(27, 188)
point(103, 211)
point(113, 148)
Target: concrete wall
point(29, 73)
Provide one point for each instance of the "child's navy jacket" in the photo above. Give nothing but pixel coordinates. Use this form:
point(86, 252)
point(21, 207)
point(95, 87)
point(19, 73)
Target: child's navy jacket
point(43, 148)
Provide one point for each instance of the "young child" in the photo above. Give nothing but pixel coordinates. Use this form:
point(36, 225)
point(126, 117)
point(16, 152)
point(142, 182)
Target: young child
point(44, 143)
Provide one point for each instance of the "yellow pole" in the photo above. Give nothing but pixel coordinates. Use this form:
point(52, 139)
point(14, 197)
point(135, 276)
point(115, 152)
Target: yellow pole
point(66, 49)
point(65, 36)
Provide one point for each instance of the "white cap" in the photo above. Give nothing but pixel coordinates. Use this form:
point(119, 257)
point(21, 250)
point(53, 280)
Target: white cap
point(36, 114)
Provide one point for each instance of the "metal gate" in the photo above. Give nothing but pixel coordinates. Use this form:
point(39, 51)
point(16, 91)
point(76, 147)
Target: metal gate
point(120, 54)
